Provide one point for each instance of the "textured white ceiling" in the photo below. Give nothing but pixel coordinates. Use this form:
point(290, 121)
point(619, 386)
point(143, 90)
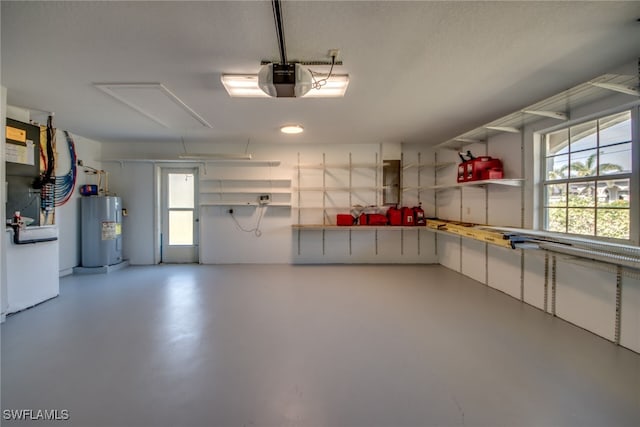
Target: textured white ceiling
point(420, 71)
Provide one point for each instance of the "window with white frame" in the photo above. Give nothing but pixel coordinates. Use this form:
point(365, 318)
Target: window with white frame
point(587, 177)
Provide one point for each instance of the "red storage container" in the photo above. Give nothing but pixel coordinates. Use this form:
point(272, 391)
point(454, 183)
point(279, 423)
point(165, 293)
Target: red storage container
point(418, 216)
point(493, 173)
point(373, 219)
point(394, 215)
point(344, 219)
point(479, 168)
point(407, 216)
point(462, 167)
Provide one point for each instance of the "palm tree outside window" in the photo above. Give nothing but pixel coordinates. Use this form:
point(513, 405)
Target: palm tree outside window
point(587, 177)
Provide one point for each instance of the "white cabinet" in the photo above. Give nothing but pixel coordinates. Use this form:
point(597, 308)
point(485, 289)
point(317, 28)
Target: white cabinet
point(26, 285)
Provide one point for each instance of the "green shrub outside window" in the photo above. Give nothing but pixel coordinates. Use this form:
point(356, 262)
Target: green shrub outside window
point(587, 178)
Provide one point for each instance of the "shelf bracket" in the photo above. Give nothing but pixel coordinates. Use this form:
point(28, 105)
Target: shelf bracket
point(470, 140)
point(629, 90)
point(552, 114)
point(508, 129)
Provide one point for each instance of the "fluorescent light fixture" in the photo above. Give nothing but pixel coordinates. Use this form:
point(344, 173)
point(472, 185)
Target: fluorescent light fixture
point(292, 129)
point(214, 156)
point(335, 87)
point(629, 90)
point(246, 86)
point(156, 102)
point(242, 86)
point(543, 113)
point(503, 129)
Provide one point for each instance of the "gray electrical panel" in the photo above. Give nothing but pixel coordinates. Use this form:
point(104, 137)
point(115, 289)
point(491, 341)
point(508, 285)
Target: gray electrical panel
point(101, 230)
point(22, 169)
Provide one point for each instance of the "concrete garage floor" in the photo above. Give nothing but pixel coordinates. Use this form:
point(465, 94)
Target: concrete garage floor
point(264, 345)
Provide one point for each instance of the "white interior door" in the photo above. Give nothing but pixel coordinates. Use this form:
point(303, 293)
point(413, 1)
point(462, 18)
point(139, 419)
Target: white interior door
point(179, 238)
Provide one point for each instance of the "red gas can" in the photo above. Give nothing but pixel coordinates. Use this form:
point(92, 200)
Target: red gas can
point(479, 168)
point(407, 216)
point(373, 219)
point(493, 173)
point(394, 215)
point(418, 216)
point(345, 219)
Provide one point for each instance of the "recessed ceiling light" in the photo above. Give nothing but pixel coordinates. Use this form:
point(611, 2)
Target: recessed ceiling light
point(292, 129)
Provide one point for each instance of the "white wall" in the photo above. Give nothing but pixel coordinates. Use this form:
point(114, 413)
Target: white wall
point(3, 201)
point(584, 294)
point(222, 242)
point(67, 216)
point(134, 183)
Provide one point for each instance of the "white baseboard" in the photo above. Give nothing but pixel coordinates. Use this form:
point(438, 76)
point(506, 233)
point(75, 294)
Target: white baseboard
point(65, 272)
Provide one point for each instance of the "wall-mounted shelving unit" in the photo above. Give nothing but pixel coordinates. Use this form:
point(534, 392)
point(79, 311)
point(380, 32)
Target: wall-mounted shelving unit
point(326, 190)
point(328, 208)
point(552, 107)
point(244, 192)
point(224, 162)
point(356, 227)
point(431, 165)
point(505, 182)
point(434, 166)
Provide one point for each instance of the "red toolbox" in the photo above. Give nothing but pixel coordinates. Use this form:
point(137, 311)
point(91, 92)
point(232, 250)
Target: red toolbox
point(345, 219)
point(479, 168)
point(373, 219)
point(394, 215)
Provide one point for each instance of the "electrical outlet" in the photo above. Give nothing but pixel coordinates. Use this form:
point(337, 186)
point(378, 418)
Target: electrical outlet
point(230, 211)
point(334, 53)
point(263, 199)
